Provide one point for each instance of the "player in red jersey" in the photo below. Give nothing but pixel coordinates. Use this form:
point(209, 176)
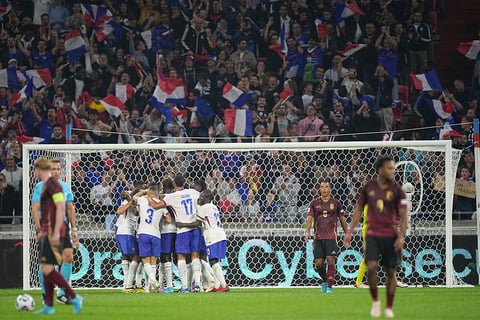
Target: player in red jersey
point(386, 202)
point(51, 233)
point(325, 212)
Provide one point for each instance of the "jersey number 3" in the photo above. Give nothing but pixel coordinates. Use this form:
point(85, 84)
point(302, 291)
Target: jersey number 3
point(149, 218)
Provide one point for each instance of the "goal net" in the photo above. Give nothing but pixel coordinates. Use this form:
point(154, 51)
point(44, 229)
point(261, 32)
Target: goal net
point(263, 192)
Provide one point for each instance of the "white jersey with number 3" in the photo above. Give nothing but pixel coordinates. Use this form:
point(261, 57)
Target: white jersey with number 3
point(212, 226)
point(184, 204)
point(149, 218)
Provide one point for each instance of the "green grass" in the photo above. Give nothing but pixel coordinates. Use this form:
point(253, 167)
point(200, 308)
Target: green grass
point(292, 304)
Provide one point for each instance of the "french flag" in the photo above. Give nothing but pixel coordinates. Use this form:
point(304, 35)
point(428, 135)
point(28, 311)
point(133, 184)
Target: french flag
point(351, 9)
point(41, 77)
point(204, 110)
point(470, 49)
point(387, 136)
point(9, 79)
point(427, 81)
point(123, 91)
point(25, 93)
point(442, 110)
point(75, 45)
point(446, 132)
point(99, 18)
point(351, 49)
point(321, 28)
point(5, 7)
point(169, 90)
point(30, 140)
point(113, 105)
point(239, 122)
point(236, 96)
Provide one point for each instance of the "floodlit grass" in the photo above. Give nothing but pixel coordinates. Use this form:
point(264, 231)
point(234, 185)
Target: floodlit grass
point(296, 304)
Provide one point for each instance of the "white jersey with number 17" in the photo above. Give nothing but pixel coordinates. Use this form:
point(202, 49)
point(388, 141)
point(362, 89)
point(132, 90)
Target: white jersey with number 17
point(149, 218)
point(184, 204)
point(212, 226)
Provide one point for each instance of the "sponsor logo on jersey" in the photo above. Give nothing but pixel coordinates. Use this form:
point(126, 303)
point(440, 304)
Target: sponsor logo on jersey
point(332, 206)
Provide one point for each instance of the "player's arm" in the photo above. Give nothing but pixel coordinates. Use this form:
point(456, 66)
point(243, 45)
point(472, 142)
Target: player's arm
point(356, 218)
point(308, 227)
point(398, 245)
point(72, 217)
point(197, 223)
point(59, 200)
point(124, 207)
point(36, 218)
point(343, 222)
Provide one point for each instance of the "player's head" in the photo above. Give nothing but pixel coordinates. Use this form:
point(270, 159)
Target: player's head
point(206, 196)
point(199, 185)
point(125, 195)
point(167, 185)
point(153, 188)
point(179, 181)
point(42, 165)
point(385, 167)
point(56, 168)
point(325, 189)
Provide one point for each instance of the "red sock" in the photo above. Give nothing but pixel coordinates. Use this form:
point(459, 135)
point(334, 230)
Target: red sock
point(330, 275)
point(390, 297)
point(56, 278)
point(322, 272)
point(49, 287)
point(374, 293)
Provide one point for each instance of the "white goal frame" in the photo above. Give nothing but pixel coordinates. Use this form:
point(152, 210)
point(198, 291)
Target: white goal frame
point(442, 145)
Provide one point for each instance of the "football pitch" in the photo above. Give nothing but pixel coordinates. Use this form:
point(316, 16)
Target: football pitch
point(292, 304)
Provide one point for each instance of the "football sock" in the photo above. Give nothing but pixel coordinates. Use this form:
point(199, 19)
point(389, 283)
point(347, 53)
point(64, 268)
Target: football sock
point(217, 269)
point(40, 279)
point(207, 272)
point(49, 286)
point(361, 273)
point(390, 297)
point(189, 274)
point(56, 278)
point(132, 269)
point(322, 272)
point(160, 274)
point(330, 275)
point(150, 270)
point(168, 274)
point(183, 272)
point(125, 267)
point(197, 271)
point(66, 271)
point(139, 276)
point(374, 292)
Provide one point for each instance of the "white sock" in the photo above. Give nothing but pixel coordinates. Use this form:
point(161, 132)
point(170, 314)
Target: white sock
point(197, 272)
point(139, 276)
point(160, 274)
point(168, 274)
point(125, 267)
point(189, 274)
point(207, 273)
point(183, 272)
point(217, 270)
point(151, 271)
point(131, 274)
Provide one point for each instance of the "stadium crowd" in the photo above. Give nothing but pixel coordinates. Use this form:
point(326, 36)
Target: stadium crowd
point(323, 70)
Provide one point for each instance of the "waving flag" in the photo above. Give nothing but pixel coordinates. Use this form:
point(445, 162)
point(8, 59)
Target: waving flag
point(148, 36)
point(169, 90)
point(123, 91)
point(351, 49)
point(25, 93)
point(321, 28)
point(113, 105)
point(446, 132)
point(239, 122)
point(5, 7)
point(286, 93)
point(98, 18)
point(30, 140)
point(351, 9)
point(9, 79)
point(236, 96)
point(442, 110)
point(470, 49)
point(41, 77)
point(204, 110)
point(75, 45)
point(427, 81)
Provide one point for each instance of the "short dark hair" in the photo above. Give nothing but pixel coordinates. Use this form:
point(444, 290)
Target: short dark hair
point(179, 180)
point(153, 186)
point(208, 195)
point(167, 185)
point(200, 184)
point(381, 161)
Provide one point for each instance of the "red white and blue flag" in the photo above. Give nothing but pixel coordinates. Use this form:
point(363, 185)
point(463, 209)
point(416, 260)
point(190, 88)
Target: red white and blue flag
point(5, 7)
point(123, 91)
point(470, 49)
point(41, 77)
point(113, 105)
point(235, 96)
point(239, 122)
point(351, 9)
point(446, 132)
point(9, 78)
point(443, 110)
point(24, 93)
point(428, 81)
point(351, 49)
point(169, 90)
point(75, 45)
point(98, 18)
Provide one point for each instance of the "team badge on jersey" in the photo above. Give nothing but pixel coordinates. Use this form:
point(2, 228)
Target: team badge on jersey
point(389, 195)
point(325, 213)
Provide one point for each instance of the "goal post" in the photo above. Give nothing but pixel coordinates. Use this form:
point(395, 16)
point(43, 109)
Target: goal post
point(263, 191)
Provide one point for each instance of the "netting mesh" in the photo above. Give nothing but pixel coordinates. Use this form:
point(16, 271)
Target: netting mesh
point(263, 196)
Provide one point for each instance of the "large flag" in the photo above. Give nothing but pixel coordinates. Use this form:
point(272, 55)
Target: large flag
point(470, 49)
point(351, 49)
point(239, 122)
point(5, 7)
point(75, 45)
point(9, 79)
point(30, 140)
point(123, 91)
point(442, 110)
point(41, 77)
point(98, 18)
point(426, 81)
point(25, 93)
point(169, 90)
point(446, 132)
point(236, 96)
point(113, 105)
point(204, 110)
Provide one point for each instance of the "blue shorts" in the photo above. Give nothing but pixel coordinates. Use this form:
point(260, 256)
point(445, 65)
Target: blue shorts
point(149, 246)
point(188, 242)
point(202, 246)
point(168, 242)
point(127, 244)
point(218, 250)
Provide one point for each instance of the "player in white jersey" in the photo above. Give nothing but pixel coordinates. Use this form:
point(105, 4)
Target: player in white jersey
point(184, 205)
point(169, 234)
point(208, 216)
point(125, 235)
point(149, 241)
point(70, 221)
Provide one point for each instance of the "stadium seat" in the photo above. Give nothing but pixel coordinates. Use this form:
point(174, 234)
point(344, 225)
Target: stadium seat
point(403, 94)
